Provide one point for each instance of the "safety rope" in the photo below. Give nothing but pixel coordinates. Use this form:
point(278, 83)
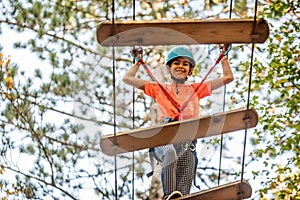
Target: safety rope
point(133, 119)
point(249, 92)
point(205, 77)
point(170, 98)
point(114, 102)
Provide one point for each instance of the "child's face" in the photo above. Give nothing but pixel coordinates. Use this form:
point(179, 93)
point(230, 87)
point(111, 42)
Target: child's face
point(180, 68)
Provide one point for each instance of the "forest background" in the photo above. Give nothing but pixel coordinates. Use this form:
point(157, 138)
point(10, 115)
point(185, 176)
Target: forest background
point(57, 100)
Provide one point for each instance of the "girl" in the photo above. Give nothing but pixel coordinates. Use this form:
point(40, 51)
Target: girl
point(181, 102)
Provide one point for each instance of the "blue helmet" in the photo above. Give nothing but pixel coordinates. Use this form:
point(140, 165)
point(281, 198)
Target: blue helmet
point(180, 51)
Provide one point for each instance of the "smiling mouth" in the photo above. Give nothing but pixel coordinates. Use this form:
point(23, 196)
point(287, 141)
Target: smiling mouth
point(180, 70)
point(179, 74)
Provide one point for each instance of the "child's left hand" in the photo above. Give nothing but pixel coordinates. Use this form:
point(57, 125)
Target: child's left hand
point(137, 52)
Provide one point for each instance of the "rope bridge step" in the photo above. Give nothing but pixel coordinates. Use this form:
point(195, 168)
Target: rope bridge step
point(182, 32)
point(232, 191)
point(179, 131)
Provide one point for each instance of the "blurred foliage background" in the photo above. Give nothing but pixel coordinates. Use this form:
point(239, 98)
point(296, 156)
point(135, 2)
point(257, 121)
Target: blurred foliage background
point(53, 114)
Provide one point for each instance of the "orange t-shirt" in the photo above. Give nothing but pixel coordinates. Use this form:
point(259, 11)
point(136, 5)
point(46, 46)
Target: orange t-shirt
point(167, 109)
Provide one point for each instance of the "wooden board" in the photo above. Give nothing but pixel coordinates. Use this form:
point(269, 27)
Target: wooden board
point(232, 191)
point(176, 132)
point(182, 32)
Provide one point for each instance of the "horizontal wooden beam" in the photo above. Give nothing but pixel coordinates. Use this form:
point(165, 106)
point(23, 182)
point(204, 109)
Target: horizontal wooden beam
point(180, 131)
point(182, 32)
point(232, 191)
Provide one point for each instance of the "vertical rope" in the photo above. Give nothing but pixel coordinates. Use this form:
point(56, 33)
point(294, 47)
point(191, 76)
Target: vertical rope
point(249, 92)
point(114, 101)
point(133, 115)
point(133, 10)
point(114, 122)
point(223, 109)
point(133, 156)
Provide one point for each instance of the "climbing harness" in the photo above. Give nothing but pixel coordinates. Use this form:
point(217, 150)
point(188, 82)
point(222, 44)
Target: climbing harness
point(179, 147)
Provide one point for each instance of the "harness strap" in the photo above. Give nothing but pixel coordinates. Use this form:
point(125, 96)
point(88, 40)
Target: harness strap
point(153, 157)
point(170, 98)
point(184, 105)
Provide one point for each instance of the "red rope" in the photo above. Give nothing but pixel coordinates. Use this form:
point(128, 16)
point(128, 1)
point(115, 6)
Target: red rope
point(170, 98)
point(184, 105)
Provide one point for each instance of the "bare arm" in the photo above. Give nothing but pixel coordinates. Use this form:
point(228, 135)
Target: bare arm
point(227, 75)
point(130, 79)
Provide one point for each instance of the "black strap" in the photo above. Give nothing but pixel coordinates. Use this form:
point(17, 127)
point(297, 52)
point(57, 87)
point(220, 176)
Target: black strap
point(153, 157)
point(195, 170)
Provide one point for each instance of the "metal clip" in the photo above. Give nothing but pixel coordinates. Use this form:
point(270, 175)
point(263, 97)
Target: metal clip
point(166, 120)
point(192, 147)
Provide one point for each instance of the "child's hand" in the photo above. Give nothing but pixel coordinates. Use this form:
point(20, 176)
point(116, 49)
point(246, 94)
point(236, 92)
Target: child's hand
point(137, 52)
point(225, 47)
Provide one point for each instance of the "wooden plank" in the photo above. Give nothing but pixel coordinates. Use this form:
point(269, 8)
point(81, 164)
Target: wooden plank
point(176, 132)
point(232, 191)
point(182, 32)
